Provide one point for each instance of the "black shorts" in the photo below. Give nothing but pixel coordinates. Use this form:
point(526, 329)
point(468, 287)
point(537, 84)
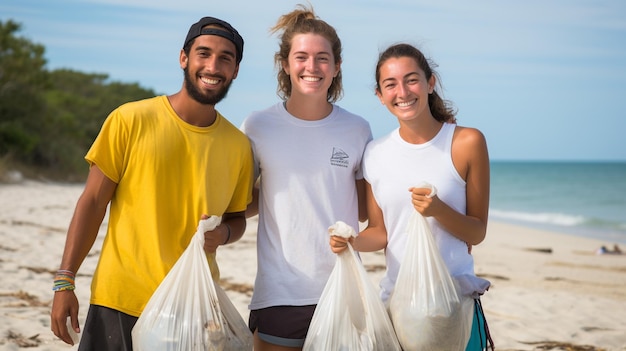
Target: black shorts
point(282, 325)
point(106, 329)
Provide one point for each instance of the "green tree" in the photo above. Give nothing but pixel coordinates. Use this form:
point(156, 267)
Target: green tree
point(48, 119)
point(22, 81)
point(76, 106)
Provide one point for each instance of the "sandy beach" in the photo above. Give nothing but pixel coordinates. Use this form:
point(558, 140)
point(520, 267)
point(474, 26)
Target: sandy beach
point(549, 291)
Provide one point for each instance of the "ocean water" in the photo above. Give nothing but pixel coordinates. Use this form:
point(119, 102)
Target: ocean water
point(578, 198)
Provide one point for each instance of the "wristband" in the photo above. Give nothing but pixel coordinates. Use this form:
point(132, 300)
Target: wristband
point(64, 280)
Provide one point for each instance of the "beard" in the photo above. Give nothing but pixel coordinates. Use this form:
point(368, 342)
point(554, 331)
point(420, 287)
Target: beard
point(205, 98)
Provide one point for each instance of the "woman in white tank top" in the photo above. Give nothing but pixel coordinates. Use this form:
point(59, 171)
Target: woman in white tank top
point(427, 146)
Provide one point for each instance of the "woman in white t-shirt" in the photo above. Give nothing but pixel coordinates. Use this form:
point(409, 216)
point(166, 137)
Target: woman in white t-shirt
point(308, 155)
point(428, 146)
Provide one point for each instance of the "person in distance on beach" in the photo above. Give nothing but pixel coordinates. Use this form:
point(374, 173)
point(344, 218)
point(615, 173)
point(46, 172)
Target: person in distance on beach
point(162, 164)
point(603, 250)
point(428, 146)
point(308, 160)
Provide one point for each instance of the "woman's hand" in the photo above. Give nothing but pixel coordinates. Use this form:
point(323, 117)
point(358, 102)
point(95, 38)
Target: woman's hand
point(340, 235)
point(424, 201)
point(339, 244)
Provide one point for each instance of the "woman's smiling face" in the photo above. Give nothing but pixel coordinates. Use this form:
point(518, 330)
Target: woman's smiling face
point(311, 65)
point(404, 88)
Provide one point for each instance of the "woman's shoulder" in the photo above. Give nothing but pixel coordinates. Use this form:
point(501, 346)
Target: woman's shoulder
point(351, 118)
point(263, 116)
point(388, 140)
point(268, 111)
point(468, 136)
point(349, 114)
point(469, 147)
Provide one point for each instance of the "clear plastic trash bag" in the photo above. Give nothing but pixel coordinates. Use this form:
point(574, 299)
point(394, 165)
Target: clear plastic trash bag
point(350, 316)
point(426, 307)
point(189, 311)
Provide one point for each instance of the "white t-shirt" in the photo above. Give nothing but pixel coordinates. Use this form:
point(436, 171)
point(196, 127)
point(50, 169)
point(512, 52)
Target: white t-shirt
point(392, 165)
point(308, 171)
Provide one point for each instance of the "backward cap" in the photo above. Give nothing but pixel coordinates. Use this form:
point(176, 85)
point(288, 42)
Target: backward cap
point(228, 32)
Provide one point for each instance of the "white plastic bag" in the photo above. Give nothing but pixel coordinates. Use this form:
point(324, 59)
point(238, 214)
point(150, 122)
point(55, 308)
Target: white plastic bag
point(188, 311)
point(427, 310)
point(350, 315)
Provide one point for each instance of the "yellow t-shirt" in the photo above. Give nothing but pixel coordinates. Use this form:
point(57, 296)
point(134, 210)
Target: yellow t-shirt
point(168, 173)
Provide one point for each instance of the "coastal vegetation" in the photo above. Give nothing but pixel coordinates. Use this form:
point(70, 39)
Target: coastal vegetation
point(49, 118)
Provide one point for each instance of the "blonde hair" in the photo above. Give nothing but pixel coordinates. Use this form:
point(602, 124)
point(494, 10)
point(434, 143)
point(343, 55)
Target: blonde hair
point(303, 20)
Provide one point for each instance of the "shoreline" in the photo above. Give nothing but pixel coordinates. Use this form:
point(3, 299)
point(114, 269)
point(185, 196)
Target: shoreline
point(548, 288)
point(599, 234)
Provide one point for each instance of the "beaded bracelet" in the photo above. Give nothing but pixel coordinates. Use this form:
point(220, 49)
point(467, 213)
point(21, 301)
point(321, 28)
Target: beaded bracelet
point(228, 237)
point(64, 280)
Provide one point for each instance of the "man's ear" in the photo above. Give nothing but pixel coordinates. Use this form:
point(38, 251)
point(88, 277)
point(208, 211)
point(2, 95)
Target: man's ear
point(183, 59)
point(236, 72)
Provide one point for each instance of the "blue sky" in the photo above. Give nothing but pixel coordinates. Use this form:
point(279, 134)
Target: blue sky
point(543, 80)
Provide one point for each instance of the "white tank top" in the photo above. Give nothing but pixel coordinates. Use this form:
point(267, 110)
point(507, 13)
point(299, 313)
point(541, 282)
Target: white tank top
point(392, 165)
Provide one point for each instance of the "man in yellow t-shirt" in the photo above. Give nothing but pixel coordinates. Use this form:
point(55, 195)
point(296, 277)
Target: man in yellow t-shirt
point(161, 164)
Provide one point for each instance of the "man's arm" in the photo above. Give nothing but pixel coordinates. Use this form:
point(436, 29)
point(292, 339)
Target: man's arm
point(83, 230)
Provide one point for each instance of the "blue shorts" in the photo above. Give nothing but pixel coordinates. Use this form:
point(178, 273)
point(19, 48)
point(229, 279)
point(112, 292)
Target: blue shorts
point(282, 325)
point(480, 339)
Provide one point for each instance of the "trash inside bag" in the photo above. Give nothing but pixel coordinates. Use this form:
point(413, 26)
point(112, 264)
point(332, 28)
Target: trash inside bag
point(426, 307)
point(189, 311)
point(350, 316)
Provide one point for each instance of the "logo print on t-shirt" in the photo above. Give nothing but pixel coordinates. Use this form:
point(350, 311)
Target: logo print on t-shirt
point(339, 158)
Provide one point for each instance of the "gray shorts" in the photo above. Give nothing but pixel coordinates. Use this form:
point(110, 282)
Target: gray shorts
point(106, 329)
point(282, 325)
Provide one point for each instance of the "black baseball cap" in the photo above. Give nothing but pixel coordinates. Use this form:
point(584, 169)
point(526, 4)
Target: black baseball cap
point(228, 32)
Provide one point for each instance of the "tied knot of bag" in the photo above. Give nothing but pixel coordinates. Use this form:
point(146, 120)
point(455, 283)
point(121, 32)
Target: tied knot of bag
point(207, 225)
point(341, 229)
